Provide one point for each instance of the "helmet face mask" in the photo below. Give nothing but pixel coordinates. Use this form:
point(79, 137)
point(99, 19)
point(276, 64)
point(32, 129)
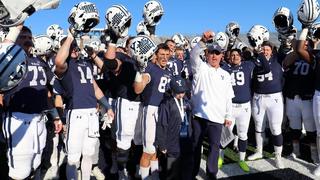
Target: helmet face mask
point(142, 49)
point(13, 68)
point(84, 16)
point(119, 20)
point(152, 12)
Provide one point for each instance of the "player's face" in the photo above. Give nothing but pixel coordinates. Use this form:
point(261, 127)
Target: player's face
point(214, 58)
point(25, 41)
point(179, 95)
point(162, 57)
point(235, 57)
point(267, 51)
point(172, 47)
point(180, 54)
point(75, 52)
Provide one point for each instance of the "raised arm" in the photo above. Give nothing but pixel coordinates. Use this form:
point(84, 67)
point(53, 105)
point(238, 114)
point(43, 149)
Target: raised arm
point(62, 55)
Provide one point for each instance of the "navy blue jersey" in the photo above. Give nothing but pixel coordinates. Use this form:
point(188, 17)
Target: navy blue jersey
point(270, 82)
point(299, 80)
point(31, 95)
point(159, 84)
point(77, 83)
point(175, 66)
point(241, 79)
point(122, 83)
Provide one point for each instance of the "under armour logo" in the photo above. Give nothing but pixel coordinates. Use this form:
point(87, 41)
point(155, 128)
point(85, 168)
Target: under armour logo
point(222, 77)
point(246, 109)
point(276, 100)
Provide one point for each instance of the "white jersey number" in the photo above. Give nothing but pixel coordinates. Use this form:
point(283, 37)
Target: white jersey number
point(36, 70)
point(85, 77)
point(163, 84)
point(268, 77)
point(237, 78)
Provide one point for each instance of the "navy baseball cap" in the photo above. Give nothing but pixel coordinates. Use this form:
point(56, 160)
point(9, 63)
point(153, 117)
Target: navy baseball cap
point(214, 48)
point(178, 84)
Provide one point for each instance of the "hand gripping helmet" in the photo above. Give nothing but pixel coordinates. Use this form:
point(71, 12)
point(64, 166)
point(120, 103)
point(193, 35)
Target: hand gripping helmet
point(14, 12)
point(142, 29)
point(233, 31)
point(54, 31)
point(223, 40)
point(152, 12)
point(43, 45)
point(195, 41)
point(142, 49)
point(180, 40)
point(282, 19)
point(119, 20)
point(13, 66)
point(84, 16)
point(257, 34)
point(308, 11)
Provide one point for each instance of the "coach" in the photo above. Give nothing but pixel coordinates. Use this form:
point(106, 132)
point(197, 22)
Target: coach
point(212, 95)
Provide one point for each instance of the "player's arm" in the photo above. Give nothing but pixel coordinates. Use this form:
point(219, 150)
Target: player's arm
point(140, 82)
point(289, 59)
point(102, 100)
point(13, 34)
point(62, 55)
point(261, 65)
point(301, 46)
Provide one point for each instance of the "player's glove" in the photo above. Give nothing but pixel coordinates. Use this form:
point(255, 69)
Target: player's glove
point(151, 29)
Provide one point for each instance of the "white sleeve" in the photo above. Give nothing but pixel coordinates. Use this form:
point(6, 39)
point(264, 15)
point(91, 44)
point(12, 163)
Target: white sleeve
point(229, 97)
point(195, 59)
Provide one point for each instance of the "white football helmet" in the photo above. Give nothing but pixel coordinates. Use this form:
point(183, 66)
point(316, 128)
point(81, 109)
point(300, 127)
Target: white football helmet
point(14, 12)
point(222, 40)
point(240, 45)
point(57, 42)
point(180, 40)
point(141, 49)
point(152, 12)
point(13, 66)
point(315, 30)
point(95, 44)
point(233, 31)
point(257, 34)
point(119, 20)
point(142, 29)
point(43, 45)
point(84, 16)
point(54, 31)
point(308, 11)
point(195, 41)
point(282, 19)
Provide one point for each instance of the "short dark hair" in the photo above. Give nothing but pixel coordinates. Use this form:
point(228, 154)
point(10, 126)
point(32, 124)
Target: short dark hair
point(26, 29)
point(169, 40)
point(162, 46)
point(235, 49)
point(267, 43)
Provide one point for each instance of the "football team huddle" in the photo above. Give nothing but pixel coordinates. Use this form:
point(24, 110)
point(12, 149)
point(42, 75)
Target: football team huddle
point(140, 107)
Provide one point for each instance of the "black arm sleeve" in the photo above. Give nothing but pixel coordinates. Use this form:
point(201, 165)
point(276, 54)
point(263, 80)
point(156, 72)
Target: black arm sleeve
point(262, 65)
point(109, 64)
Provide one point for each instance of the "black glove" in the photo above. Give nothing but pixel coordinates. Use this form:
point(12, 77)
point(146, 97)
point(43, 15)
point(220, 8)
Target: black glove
point(89, 50)
point(113, 38)
point(72, 31)
point(151, 29)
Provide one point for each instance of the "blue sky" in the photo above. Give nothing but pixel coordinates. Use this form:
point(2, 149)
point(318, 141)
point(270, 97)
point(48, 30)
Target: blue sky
point(187, 17)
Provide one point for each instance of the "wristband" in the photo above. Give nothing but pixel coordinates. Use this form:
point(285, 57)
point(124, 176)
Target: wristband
point(138, 78)
point(13, 34)
point(104, 102)
point(303, 34)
